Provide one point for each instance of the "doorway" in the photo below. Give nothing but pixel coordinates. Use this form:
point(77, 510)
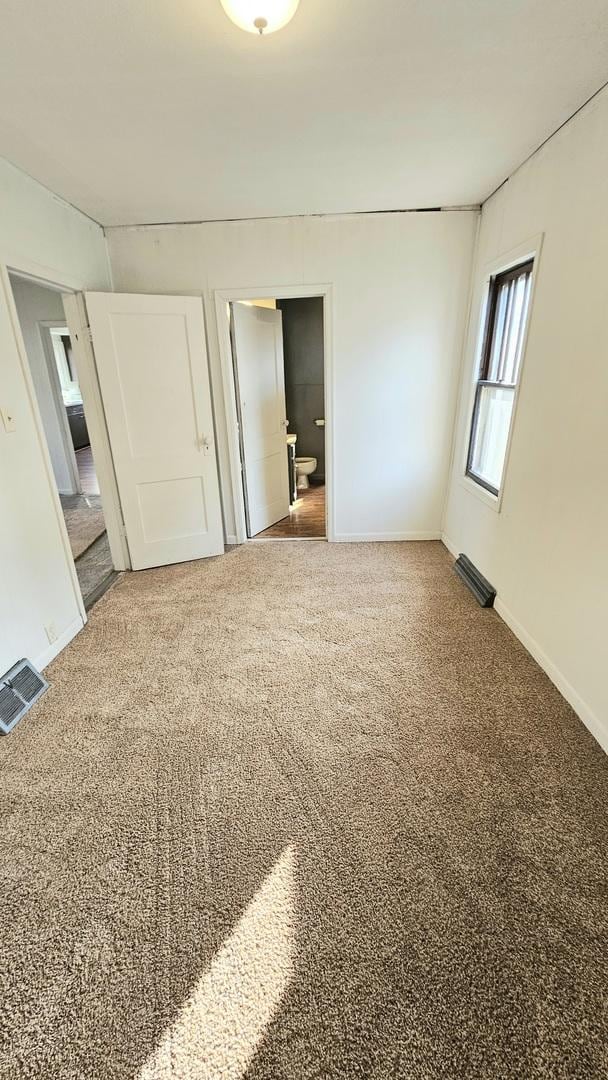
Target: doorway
point(278, 366)
point(52, 366)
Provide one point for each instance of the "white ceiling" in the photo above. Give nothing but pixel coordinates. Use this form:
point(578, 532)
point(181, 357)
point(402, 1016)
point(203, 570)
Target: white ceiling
point(154, 112)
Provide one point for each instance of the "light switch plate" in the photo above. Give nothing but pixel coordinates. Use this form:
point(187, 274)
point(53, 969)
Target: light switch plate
point(8, 419)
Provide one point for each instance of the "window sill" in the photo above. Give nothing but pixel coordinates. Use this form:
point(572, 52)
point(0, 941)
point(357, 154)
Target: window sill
point(493, 501)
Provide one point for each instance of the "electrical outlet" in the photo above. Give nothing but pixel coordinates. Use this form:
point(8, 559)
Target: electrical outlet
point(8, 419)
point(51, 632)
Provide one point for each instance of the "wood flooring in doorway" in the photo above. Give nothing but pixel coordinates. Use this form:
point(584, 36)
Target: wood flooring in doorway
point(306, 518)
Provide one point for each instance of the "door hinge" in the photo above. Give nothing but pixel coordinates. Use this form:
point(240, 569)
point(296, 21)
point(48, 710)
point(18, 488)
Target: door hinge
point(84, 333)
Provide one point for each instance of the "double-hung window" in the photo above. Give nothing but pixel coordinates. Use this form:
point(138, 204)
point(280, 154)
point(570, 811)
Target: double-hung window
point(503, 341)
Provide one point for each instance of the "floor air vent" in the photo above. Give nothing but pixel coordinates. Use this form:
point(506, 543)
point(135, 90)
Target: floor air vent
point(19, 689)
point(481, 589)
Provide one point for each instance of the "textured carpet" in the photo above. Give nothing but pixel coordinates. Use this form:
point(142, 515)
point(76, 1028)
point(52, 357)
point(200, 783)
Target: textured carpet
point(84, 527)
point(302, 811)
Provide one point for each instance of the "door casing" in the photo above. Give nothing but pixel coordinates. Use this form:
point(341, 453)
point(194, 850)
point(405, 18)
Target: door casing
point(223, 298)
point(45, 326)
point(67, 287)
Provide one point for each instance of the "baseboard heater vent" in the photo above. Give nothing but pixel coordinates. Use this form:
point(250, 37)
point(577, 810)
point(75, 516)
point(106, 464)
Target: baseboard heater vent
point(481, 589)
point(19, 689)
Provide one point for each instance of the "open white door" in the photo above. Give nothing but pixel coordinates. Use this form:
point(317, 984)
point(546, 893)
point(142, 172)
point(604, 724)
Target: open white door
point(257, 335)
point(152, 365)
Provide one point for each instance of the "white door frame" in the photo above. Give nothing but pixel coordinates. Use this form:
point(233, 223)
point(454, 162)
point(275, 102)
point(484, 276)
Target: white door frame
point(45, 326)
point(223, 297)
point(33, 272)
point(31, 393)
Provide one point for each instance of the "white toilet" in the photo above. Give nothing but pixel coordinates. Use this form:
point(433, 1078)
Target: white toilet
point(304, 467)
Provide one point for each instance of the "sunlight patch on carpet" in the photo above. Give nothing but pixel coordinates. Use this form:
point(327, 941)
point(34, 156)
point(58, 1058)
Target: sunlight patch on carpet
point(219, 1029)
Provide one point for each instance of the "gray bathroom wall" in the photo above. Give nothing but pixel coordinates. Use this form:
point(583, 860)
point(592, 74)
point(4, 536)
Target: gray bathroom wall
point(304, 390)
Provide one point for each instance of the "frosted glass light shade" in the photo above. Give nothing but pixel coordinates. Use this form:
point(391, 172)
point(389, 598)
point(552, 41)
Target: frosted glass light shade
point(260, 16)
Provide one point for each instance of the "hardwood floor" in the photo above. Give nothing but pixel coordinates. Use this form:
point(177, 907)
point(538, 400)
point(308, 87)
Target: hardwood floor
point(86, 471)
point(95, 571)
point(306, 517)
point(94, 567)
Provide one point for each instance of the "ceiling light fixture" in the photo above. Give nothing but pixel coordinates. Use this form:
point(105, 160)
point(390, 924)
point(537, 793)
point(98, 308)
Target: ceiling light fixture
point(260, 16)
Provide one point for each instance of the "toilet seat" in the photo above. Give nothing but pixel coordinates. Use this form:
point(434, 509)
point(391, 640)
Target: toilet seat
point(304, 467)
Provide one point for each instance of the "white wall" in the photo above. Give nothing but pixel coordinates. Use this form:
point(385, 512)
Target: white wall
point(547, 550)
point(36, 304)
point(40, 235)
point(400, 286)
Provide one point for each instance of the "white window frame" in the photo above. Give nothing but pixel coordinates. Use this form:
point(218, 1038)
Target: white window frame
point(530, 249)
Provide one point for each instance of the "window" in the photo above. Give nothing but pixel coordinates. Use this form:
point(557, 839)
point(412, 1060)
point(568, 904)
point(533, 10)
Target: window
point(505, 329)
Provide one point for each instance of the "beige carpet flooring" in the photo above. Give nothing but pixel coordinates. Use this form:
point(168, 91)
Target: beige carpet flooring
point(302, 811)
point(84, 526)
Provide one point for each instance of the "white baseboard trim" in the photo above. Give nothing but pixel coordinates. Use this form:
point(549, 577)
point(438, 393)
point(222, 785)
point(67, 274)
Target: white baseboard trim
point(363, 538)
point(286, 540)
point(598, 729)
point(231, 541)
point(453, 550)
point(60, 643)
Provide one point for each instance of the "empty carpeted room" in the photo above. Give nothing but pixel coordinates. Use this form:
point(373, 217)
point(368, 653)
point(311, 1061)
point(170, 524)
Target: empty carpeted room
point(305, 775)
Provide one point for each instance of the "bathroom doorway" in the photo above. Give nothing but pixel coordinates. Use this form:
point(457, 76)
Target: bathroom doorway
point(278, 367)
